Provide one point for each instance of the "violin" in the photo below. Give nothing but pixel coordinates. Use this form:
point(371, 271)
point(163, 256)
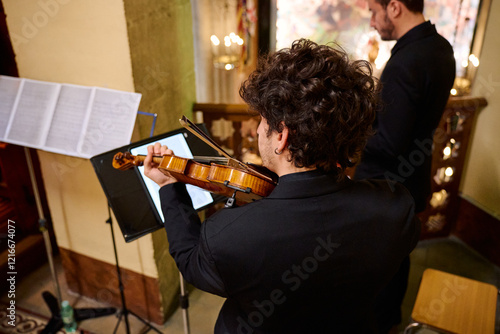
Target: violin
point(233, 182)
point(241, 182)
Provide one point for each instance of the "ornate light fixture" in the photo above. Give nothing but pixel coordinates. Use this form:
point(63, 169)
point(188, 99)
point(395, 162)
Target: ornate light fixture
point(227, 51)
point(226, 56)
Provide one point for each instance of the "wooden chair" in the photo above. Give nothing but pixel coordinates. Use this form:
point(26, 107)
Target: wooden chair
point(453, 304)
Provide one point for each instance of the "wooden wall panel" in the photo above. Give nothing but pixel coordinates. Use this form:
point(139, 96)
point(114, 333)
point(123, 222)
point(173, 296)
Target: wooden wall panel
point(479, 230)
point(99, 280)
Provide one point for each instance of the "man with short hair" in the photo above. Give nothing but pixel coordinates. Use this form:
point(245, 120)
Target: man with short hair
point(416, 83)
point(312, 255)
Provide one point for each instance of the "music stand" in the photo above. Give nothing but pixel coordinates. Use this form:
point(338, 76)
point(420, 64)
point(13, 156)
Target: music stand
point(55, 323)
point(131, 200)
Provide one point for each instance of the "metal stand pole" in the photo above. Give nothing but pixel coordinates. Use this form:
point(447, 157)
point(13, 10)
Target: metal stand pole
point(42, 222)
point(184, 301)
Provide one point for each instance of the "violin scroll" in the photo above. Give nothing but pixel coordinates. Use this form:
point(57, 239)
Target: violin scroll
point(124, 161)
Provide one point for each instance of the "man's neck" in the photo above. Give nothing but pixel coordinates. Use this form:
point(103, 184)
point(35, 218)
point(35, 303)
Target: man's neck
point(282, 164)
point(296, 170)
point(290, 168)
point(408, 22)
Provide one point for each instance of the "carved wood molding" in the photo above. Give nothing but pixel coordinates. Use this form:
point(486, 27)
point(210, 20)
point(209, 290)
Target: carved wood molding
point(466, 102)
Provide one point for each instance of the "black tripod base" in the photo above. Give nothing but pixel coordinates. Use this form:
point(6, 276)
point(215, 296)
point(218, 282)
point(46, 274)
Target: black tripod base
point(124, 314)
point(55, 323)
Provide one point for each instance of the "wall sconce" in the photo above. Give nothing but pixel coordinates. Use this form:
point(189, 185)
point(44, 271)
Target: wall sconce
point(226, 56)
point(227, 50)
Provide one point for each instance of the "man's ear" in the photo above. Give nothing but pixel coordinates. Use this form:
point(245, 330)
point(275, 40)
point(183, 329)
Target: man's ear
point(394, 9)
point(282, 138)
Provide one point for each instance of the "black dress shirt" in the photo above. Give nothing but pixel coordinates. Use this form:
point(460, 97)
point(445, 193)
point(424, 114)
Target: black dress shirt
point(416, 85)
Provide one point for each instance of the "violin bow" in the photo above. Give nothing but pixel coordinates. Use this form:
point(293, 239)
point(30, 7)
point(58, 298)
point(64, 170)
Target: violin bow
point(191, 127)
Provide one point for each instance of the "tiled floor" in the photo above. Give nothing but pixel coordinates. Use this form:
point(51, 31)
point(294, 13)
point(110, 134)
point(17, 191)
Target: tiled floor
point(449, 255)
point(202, 312)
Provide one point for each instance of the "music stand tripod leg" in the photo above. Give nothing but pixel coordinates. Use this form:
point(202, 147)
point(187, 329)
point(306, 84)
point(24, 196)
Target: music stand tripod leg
point(184, 302)
point(42, 224)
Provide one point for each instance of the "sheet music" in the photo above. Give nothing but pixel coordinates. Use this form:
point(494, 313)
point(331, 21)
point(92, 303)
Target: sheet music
point(62, 118)
point(66, 129)
point(33, 113)
point(110, 122)
point(9, 88)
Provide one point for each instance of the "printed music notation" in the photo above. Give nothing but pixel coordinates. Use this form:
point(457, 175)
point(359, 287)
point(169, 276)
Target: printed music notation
point(63, 118)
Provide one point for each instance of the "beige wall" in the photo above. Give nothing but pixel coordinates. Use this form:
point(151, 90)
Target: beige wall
point(81, 42)
point(481, 183)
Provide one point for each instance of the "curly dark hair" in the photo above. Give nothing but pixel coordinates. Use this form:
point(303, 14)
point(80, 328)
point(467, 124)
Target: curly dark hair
point(327, 102)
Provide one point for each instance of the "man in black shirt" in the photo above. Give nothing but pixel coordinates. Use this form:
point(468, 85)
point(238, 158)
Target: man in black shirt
point(416, 85)
point(312, 256)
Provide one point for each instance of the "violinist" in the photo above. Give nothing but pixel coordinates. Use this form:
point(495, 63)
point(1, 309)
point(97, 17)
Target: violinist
point(311, 256)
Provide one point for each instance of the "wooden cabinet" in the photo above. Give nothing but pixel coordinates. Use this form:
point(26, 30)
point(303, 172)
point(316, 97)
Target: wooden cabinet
point(451, 142)
point(17, 204)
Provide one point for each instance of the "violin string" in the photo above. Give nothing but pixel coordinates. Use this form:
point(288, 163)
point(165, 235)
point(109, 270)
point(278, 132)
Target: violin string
point(198, 158)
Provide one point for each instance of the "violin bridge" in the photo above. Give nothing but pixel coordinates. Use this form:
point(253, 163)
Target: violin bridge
point(235, 163)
